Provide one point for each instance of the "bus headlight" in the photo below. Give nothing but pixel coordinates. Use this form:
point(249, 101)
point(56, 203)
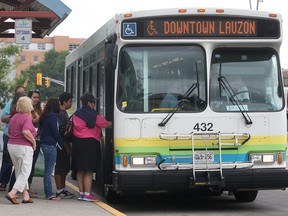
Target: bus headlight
point(143, 160)
point(262, 158)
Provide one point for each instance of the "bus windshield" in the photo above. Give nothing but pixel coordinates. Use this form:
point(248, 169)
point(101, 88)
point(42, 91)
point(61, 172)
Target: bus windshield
point(156, 78)
point(252, 77)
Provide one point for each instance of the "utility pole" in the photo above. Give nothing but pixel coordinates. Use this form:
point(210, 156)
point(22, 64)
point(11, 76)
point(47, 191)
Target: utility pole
point(257, 4)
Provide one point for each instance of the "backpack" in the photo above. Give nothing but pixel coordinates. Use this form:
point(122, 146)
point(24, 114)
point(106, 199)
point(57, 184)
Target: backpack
point(68, 134)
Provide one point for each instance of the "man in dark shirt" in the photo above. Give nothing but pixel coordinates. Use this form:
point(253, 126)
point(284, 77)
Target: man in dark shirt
point(62, 166)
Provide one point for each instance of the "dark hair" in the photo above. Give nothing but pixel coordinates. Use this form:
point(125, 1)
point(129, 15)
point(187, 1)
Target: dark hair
point(64, 97)
point(15, 99)
point(87, 97)
point(52, 106)
point(17, 87)
point(30, 93)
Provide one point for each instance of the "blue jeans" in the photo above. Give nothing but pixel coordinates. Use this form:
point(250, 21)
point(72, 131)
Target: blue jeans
point(35, 157)
point(6, 167)
point(50, 154)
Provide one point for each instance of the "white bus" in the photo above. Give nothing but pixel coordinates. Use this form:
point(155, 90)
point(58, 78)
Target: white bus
point(227, 129)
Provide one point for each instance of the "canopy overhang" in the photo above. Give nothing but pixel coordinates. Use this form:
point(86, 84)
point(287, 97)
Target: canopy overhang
point(46, 15)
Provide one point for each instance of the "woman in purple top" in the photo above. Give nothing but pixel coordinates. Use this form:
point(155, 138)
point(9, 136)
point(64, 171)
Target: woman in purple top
point(21, 145)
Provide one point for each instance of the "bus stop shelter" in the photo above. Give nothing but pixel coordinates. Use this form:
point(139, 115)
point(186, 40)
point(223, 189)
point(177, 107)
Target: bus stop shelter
point(46, 15)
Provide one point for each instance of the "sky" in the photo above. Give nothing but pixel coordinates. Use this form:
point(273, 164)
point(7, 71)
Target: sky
point(89, 15)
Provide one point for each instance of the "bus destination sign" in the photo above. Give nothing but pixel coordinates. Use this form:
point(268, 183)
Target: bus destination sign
point(203, 27)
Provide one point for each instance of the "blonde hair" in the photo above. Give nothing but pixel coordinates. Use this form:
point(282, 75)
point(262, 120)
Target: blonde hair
point(24, 105)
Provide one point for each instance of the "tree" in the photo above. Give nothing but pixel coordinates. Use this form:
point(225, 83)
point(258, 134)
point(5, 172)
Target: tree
point(53, 66)
point(6, 66)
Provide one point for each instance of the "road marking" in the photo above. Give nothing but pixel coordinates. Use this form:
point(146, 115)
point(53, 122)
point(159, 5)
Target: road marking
point(99, 203)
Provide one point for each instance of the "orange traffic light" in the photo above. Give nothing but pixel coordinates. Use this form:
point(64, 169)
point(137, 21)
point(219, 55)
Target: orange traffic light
point(47, 82)
point(39, 79)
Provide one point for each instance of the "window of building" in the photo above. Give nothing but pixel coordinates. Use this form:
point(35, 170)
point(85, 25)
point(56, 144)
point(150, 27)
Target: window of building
point(41, 46)
point(36, 59)
point(73, 46)
point(23, 59)
point(25, 47)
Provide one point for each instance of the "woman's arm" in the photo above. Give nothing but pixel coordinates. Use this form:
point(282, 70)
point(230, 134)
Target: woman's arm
point(36, 118)
point(109, 124)
point(5, 118)
point(28, 135)
point(55, 130)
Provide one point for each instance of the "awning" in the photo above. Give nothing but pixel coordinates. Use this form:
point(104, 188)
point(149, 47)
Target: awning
point(46, 15)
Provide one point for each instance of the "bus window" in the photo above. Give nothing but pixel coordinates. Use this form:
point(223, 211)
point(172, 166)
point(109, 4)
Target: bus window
point(253, 76)
point(147, 73)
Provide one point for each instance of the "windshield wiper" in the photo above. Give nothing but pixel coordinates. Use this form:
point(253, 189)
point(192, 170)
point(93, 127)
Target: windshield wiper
point(184, 98)
point(231, 94)
point(179, 104)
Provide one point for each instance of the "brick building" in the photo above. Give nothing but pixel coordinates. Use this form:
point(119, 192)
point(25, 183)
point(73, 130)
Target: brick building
point(34, 53)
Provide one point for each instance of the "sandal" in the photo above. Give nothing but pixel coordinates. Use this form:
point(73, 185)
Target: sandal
point(27, 201)
point(53, 197)
point(12, 200)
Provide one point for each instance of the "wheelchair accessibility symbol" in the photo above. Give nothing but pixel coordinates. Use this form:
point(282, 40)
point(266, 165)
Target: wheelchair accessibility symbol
point(129, 29)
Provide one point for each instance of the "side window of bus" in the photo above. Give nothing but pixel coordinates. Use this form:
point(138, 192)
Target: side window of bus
point(127, 82)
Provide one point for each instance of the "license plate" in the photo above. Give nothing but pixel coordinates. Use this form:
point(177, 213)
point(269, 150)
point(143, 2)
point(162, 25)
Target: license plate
point(203, 157)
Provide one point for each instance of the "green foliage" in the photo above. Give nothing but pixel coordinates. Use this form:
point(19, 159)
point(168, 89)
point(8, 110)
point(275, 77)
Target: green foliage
point(53, 66)
point(7, 64)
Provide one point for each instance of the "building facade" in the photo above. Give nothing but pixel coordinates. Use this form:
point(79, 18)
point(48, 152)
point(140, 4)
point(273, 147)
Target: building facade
point(285, 77)
point(33, 53)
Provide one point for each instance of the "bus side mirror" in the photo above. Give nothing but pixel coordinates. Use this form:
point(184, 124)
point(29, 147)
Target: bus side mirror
point(111, 56)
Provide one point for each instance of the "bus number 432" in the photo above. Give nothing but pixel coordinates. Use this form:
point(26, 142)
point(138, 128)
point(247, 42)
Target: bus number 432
point(203, 127)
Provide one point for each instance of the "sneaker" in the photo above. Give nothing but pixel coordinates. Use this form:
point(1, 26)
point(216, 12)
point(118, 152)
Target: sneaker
point(90, 198)
point(65, 194)
point(80, 197)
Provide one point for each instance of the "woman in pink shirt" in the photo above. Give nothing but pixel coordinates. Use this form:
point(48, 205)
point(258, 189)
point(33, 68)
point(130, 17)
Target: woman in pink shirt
point(21, 145)
point(86, 145)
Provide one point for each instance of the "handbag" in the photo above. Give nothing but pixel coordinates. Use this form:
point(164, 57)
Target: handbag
point(68, 135)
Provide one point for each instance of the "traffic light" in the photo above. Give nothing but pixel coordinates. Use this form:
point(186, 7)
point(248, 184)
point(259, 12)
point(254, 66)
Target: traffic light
point(47, 82)
point(39, 79)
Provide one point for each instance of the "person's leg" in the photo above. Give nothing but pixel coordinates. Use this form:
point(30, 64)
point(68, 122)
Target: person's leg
point(6, 167)
point(35, 157)
point(87, 181)
point(23, 169)
point(50, 154)
point(14, 157)
point(59, 170)
point(80, 181)
point(12, 180)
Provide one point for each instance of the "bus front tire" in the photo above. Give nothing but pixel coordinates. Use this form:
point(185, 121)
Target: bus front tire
point(245, 196)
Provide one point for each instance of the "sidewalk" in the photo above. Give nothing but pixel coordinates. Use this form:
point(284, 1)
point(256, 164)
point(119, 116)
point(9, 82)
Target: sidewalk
point(43, 207)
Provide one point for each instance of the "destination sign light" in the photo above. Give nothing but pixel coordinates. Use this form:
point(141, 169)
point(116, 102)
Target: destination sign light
point(203, 27)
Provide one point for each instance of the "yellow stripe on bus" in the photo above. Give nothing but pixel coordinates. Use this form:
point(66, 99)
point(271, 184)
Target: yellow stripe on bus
point(147, 142)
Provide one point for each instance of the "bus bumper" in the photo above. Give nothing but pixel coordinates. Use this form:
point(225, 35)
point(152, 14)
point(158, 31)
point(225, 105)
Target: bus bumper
point(234, 180)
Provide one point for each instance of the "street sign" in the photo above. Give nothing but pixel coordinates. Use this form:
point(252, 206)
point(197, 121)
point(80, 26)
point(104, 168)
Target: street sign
point(23, 31)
